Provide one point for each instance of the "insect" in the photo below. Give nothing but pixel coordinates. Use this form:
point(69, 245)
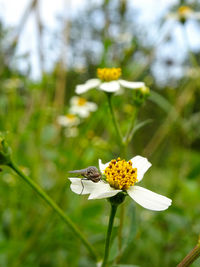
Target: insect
point(90, 173)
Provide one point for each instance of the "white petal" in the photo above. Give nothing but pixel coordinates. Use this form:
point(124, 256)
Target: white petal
point(142, 165)
point(81, 111)
point(196, 15)
point(102, 166)
point(131, 85)
point(103, 191)
point(62, 120)
point(172, 16)
point(74, 100)
point(149, 199)
point(91, 106)
point(93, 83)
point(82, 187)
point(110, 87)
point(68, 121)
point(90, 84)
point(81, 88)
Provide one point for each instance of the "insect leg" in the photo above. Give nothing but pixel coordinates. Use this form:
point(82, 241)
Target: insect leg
point(82, 185)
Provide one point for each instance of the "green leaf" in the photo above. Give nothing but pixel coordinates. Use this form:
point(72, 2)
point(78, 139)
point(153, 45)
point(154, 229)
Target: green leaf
point(161, 101)
point(133, 226)
point(137, 127)
point(129, 240)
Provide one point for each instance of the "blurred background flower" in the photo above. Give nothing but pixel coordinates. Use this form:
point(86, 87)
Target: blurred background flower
point(68, 120)
point(81, 106)
point(183, 13)
point(108, 81)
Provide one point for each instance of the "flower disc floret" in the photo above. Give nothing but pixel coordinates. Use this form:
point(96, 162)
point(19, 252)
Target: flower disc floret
point(109, 74)
point(120, 174)
point(184, 10)
point(81, 101)
point(71, 117)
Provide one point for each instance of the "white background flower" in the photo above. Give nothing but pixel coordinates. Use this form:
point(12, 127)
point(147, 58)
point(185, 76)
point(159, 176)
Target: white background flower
point(111, 87)
point(81, 106)
point(71, 132)
point(68, 120)
point(102, 189)
point(184, 12)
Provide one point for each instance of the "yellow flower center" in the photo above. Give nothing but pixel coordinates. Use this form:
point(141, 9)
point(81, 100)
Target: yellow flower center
point(81, 101)
point(120, 174)
point(109, 74)
point(71, 117)
point(184, 10)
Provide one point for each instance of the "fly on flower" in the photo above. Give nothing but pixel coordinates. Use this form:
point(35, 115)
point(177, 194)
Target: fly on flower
point(90, 173)
point(121, 176)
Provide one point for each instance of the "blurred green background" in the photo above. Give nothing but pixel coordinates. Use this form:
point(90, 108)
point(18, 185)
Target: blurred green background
point(104, 34)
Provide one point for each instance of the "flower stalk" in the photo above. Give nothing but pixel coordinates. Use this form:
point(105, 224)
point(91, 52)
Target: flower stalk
point(191, 257)
point(109, 232)
point(115, 201)
point(6, 159)
point(115, 123)
point(130, 132)
point(140, 95)
point(55, 207)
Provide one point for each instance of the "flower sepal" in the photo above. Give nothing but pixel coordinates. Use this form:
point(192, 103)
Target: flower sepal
point(117, 199)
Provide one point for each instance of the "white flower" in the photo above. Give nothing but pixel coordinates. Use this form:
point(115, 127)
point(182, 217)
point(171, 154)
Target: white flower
point(122, 176)
point(81, 106)
point(68, 120)
point(183, 13)
point(108, 81)
point(71, 131)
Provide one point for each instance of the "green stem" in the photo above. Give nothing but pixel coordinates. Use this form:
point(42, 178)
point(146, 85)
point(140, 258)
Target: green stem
point(191, 257)
point(117, 129)
point(126, 141)
point(55, 207)
point(130, 132)
point(109, 231)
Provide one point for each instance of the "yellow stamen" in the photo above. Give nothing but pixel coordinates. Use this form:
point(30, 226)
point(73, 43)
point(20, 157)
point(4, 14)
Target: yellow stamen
point(71, 117)
point(109, 74)
point(81, 101)
point(184, 10)
point(120, 174)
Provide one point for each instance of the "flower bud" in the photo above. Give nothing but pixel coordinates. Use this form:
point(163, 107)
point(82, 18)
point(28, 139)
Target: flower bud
point(141, 95)
point(5, 152)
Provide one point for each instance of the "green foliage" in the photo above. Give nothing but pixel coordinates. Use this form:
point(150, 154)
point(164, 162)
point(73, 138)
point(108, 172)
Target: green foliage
point(30, 234)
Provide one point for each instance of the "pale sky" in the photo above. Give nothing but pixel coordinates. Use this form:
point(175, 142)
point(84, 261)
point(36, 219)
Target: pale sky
point(149, 10)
